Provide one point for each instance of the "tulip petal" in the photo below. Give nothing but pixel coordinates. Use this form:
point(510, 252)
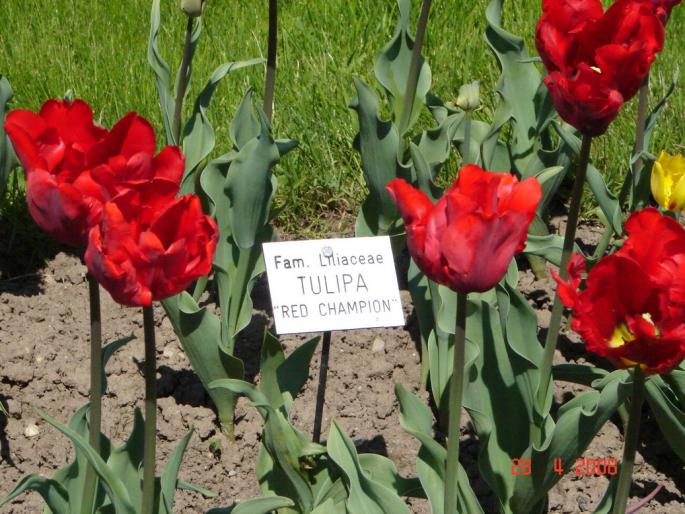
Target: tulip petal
point(596, 61)
point(661, 185)
point(567, 289)
point(169, 164)
point(73, 122)
point(24, 145)
point(413, 203)
point(131, 135)
point(632, 309)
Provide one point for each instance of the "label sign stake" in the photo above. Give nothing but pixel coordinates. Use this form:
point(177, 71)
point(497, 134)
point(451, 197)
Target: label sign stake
point(333, 284)
point(321, 389)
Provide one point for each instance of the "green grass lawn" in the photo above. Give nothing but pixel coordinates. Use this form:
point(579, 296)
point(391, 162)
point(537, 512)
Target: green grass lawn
point(98, 48)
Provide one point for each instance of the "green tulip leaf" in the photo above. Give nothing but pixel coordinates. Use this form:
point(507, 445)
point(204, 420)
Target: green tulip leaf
point(246, 389)
point(238, 185)
point(293, 373)
point(382, 470)
point(578, 373)
point(118, 469)
point(271, 358)
point(199, 332)
point(669, 413)
point(107, 351)
point(423, 172)
point(283, 443)
point(195, 34)
point(7, 157)
point(116, 489)
point(642, 161)
point(245, 124)
point(676, 380)
point(578, 422)
point(440, 342)
point(288, 463)
point(549, 247)
point(126, 460)
point(329, 488)
point(524, 100)
point(365, 494)
point(169, 478)
point(653, 117)
point(162, 73)
point(185, 486)
point(606, 504)
point(249, 187)
point(417, 283)
point(236, 269)
point(500, 396)
point(72, 476)
point(55, 496)
point(264, 505)
point(434, 145)
point(378, 143)
point(607, 201)
point(485, 149)
point(330, 507)
point(550, 175)
point(392, 72)
point(417, 420)
point(198, 135)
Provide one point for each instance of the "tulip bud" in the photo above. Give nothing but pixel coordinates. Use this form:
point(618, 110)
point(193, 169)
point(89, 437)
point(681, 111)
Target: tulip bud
point(469, 96)
point(668, 181)
point(193, 8)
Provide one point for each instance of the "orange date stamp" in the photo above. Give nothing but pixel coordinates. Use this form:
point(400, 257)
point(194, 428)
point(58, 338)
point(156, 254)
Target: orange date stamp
point(582, 467)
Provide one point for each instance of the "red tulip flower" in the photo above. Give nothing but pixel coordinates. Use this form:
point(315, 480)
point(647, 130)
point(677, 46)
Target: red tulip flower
point(663, 8)
point(148, 248)
point(467, 239)
point(657, 242)
point(597, 60)
point(632, 309)
point(72, 166)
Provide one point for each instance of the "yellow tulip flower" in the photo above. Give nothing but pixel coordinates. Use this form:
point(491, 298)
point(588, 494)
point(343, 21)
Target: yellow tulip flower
point(668, 181)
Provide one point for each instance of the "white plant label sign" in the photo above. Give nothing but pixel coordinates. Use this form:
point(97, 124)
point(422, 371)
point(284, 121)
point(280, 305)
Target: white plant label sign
point(333, 284)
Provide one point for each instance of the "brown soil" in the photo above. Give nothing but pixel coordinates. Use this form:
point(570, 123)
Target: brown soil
point(43, 363)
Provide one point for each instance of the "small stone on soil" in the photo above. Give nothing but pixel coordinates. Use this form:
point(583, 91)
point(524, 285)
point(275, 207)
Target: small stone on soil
point(31, 430)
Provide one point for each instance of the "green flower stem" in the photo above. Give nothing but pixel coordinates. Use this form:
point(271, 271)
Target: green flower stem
point(455, 402)
point(321, 390)
point(200, 287)
point(414, 64)
point(95, 425)
point(467, 138)
point(567, 250)
point(270, 81)
point(182, 81)
point(642, 107)
point(630, 446)
point(603, 243)
point(150, 412)
point(632, 182)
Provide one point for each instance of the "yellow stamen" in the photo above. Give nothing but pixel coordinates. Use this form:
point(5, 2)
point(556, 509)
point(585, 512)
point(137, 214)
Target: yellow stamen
point(595, 68)
point(621, 336)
